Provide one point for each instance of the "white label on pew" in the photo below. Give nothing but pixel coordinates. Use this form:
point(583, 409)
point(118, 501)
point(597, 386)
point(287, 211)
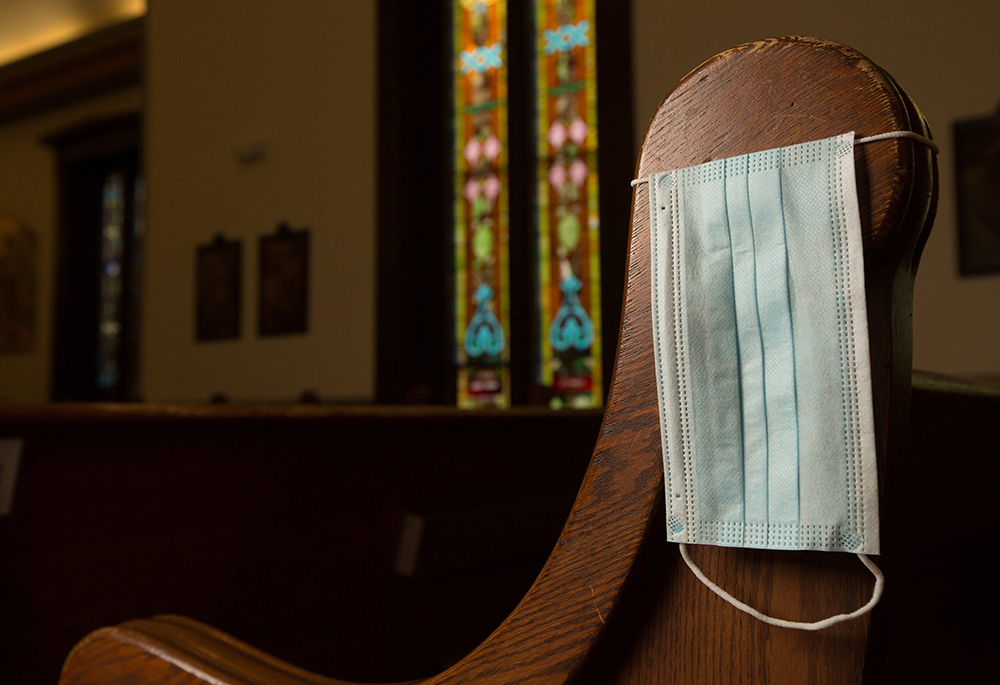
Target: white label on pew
point(10, 457)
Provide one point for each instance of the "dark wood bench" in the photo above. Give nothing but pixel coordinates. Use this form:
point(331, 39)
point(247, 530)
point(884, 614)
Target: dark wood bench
point(283, 525)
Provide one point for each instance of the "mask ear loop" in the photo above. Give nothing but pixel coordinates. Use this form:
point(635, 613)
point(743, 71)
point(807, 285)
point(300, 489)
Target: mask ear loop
point(859, 141)
point(901, 134)
point(780, 622)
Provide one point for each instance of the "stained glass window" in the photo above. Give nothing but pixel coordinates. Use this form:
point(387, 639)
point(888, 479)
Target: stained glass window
point(134, 286)
point(482, 308)
point(112, 291)
point(568, 276)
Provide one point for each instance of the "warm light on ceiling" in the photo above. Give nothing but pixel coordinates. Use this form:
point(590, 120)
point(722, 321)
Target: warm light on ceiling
point(31, 26)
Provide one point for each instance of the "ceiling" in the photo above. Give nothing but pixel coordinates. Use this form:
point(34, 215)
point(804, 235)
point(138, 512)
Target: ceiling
point(30, 26)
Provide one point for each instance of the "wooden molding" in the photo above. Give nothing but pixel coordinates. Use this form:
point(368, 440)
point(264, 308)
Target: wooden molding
point(102, 61)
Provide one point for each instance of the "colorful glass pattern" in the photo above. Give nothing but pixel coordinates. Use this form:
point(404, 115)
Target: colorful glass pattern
point(134, 286)
point(569, 279)
point(112, 292)
point(482, 311)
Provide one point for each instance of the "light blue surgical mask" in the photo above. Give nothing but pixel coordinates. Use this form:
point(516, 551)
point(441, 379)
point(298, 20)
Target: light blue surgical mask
point(761, 346)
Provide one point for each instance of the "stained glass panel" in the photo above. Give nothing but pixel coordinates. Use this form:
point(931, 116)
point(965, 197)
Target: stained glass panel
point(112, 294)
point(568, 276)
point(482, 308)
point(134, 286)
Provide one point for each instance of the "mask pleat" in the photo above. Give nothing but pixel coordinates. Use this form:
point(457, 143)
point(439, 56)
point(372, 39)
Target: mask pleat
point(771, 284)
point(710, 318)
point(750, 353)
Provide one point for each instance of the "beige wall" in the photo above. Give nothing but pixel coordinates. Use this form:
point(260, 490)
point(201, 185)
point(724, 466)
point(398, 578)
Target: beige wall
point(28, 192)
point(298, 75)
point(946, 55)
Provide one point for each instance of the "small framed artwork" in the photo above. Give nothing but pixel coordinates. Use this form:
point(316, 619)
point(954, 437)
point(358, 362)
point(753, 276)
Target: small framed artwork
point(284, 281)
point(977, 182)
point(218, 290)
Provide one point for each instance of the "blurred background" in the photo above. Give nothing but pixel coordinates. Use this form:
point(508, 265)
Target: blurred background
point(230, 118)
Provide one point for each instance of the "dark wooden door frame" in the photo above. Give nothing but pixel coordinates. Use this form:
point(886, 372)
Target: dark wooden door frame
point(107, 144)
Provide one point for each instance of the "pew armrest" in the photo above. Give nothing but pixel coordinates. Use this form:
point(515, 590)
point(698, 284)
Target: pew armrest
point(176, 650)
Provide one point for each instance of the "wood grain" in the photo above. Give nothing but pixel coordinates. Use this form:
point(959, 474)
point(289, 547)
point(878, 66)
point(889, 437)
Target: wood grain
point(280, 525)
point(613, 604)
point(754, 97)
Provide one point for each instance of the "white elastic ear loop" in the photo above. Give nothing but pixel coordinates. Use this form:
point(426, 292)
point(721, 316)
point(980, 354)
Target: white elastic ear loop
point(780, 622)
point(901, 134)
point(859, 141)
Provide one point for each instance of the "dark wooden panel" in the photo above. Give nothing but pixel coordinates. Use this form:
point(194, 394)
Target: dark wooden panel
point(939, 608)
point(278, 525)
point(103, 61)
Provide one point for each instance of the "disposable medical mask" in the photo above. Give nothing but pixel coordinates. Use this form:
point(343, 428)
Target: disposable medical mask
point(762, 365)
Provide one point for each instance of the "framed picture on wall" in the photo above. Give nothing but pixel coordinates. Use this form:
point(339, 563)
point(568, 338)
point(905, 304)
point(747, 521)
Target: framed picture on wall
point(218, 290)
point(284, 281)
point(977, 183)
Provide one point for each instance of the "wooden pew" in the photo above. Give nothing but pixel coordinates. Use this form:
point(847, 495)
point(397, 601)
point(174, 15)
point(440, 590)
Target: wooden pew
point(613, 603)
point(282, 525)
point(294, 605)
